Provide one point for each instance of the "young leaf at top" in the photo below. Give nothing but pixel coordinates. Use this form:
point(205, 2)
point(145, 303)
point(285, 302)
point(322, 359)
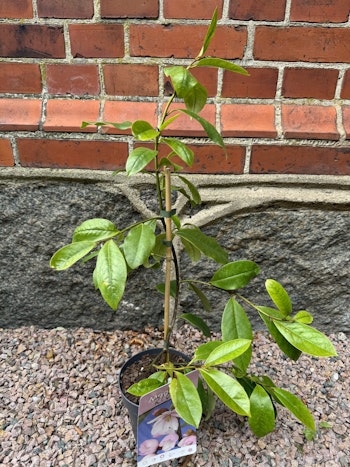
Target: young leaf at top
point(207, 245)
point(220, 63)
point(66, 256)
point(138, 245)
point(95, 230)
point(197, 322)
point(138, 160)
point(233, 276)
point(143, 131)
point(186, 399)
point(262, 412)
point(210, 33)
point(279, 296)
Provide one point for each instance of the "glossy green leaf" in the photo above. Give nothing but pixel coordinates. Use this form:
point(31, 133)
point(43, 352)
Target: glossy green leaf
point(66, 256)
point(228, 390)
point(202, 297)
point(227, 351)
point(271, 312)
point(144, 386)
point(279, 296)
point(161, 288)
point(196, 99)
point(207, 398)
point(169, 121)
point(210, 33)
point(220, 63)
point(210, 130)
point(294, 405)
point(262, 413)
point(179, 148)
point(235, 324)
point(143, 131)
point(186, 400)
point(303, 316)
point(196, 198)
point(192, 251)
point(233, 276)
point(94, 230)
point(207, 245)
point(121, 126)
point(197, 322)
point(110, 273)
point(138, 160)
point(203, 351)
point(306, 338)
point(138, 245)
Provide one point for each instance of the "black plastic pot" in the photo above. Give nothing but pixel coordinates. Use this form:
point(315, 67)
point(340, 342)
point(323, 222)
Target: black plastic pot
point(132, 406)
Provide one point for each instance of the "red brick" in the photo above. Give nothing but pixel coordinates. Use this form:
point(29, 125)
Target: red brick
point(309, 121)
point(192, 9)
point(65, 9)
point(72, 154)
point(129, 9)
point(185, 41)
point(184, 126)
point(345, 92)
point(248, 120)
point(16, 9)
point(305, 44)
point(319, 83)
point(261, 83)
point(208, 77)
point(300, 160)
point(31, 40)
point(6, 156)
point(131, 80)
point(316, 11)
point(68, 115)
point(19, 114)
point(97, 40)
point(20, 78)
point(273, 10)
point(78, 80)
point(346, 121)
point(121, 111)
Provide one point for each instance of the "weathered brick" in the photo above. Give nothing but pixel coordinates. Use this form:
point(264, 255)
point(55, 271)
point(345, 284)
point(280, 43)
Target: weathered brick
point(97, 40)
point(208, 77)
point(31, 40)
point(20, 114)
point(68, 115)
point(273, 10)
point(319, 83)
point(20, 78)
point(184, 126)
point(309, 121)
point(16, 9)
point(346, 121)
point(211, 159)
point(131, 79)
point(72, 154)
point(345, 92)
point(65, 9)
point(121, 111)
point(6, 156)
point(261, 83)
point(300, 160)
point(305, 44)
point(316, 11)
point(192, 9)
point(185, 41)
point(78, 80)
point(129, 9)
point(248, 120)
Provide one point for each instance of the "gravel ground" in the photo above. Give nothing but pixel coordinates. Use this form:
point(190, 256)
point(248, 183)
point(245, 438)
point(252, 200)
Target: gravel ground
point(60, 406)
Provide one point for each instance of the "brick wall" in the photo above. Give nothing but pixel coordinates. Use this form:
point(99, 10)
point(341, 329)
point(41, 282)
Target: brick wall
point(64, 61)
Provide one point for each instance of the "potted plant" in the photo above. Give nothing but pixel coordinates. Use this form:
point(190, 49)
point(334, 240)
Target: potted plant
point(223, 364)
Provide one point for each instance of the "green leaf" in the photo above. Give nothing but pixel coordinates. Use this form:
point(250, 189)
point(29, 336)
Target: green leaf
point(138, 160)
point(207, 245)
point(229, 391)
point(203, 351)
point(197, 322)
point(66, 256)
point(270, 312)
point(196, 198)
point(279, 296)
point(210, 33)
point(262, 418)
point(186, 400)
point(235, 325)
point(306, 338)
point(196, 99)
point(235, 275)
point(303, 316)
point(110, 273)
point(207, 398)
point(220, 63)
point(202, 297)
point(294, 405)
point(179, 148)
point(144, 386)
point(227, 351)
point(161, 288)
point(168, 121)
point(210, 130)
point(138, 245)
point(192, 251)
point(121, 126)
point(143, 131)
point(94, 230)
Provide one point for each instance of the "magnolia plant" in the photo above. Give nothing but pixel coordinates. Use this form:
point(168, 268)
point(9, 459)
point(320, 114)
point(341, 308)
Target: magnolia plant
point(223, 364)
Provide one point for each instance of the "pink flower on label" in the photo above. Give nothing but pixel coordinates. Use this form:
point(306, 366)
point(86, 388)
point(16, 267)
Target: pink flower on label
point(187, 441)
point(148, 447)
point(165, 423)
point(169, 442)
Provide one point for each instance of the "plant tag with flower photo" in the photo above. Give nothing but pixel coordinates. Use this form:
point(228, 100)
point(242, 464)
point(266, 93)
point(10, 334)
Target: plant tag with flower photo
point(161, 434)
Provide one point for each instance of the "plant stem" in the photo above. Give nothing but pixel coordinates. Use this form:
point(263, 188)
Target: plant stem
point(168, 257)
